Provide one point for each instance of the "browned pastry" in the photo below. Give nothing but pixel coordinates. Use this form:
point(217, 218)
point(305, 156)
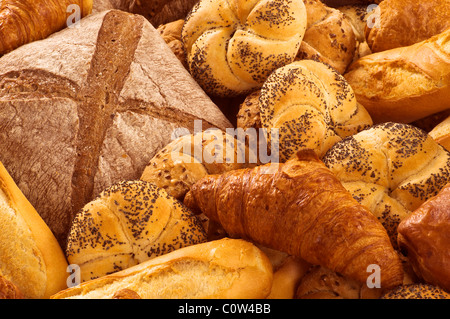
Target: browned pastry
point(441, 133)
point(126, 294)
point(390, 168)
point(233, 45)
point(30, 256)
point(220, 269)
point(24, 21)
point(404, 84)
point(329, 36)
point(79, 111)
point(311, 106)
point(405, 22)
point(248, 115)
point(425, 237)
point(8, 290)
point(171, 33)
point(322, 283)
point(304, 199)
point(129, 223)
point(416, 291)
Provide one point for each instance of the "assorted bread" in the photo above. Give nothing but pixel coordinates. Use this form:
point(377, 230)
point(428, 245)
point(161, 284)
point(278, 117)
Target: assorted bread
point(111, 190)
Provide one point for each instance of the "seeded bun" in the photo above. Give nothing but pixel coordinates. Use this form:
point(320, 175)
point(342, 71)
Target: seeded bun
point(312, 106)
point(232, 46)
point(416, 291)
point(185, 160)
point(392, 169)
point(130, 222)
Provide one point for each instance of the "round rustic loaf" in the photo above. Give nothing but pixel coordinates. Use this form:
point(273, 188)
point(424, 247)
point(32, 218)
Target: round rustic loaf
point(129, 223)
point(392, 169)
point(312, 106)
point(232, 46)
point(90, 106)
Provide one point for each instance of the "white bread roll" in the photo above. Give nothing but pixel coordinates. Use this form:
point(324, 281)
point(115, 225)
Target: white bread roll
point(313, 107)
point(30, 256)
point(233, 45)
point(129, 223)
point(224, 269)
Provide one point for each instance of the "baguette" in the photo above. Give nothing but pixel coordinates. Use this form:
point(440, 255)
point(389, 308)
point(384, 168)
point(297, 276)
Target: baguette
point(30, 256)
point(223, 269)
point(404, 84)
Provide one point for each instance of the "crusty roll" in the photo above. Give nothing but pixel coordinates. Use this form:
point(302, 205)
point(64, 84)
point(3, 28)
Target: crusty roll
point(391, 168)
point(441, 133)
point(30, 256)
point(358, 16)
point(404, 84)
point(232, 46)
point(129, 223)
point(312, 106)
point(299, 207)
point(224, 269)
point(322, 283)
point(171, 33)
point(8, 290)
point(416, 291)
point(186, 159)
point(402, 23)
point(425, 237)
point(24, 21)
point(329, 36)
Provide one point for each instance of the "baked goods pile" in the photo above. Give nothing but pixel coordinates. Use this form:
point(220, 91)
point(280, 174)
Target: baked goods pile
point(279, 149)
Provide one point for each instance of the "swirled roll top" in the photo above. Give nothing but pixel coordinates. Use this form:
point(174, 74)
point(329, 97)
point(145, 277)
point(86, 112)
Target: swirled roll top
point(312, 105)
point(232, 46)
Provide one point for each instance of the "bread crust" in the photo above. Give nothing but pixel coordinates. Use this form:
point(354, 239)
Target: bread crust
point(45, 273)
point(404, 84)
point(224, 269)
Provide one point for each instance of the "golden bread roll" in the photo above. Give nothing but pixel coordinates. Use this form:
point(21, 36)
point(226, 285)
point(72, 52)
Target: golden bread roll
point(287, 272)
point(127, 224)
point(312, 106)
point(186, 159)
point(322, 283)
point(224, 269)
point(8, 290)
point(441, 133)
point(328, 38)
point(171, 33)
point(402, 23)
point(391, 168)
point(404, 84)
point(416, 291)
point(24, 21)
point(232, 46)
point(425, 237)
point(358, 16)
point(30, 256)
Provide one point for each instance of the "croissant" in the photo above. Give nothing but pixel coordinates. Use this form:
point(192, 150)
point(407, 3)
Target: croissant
point(24, 21)
point(301, 208)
